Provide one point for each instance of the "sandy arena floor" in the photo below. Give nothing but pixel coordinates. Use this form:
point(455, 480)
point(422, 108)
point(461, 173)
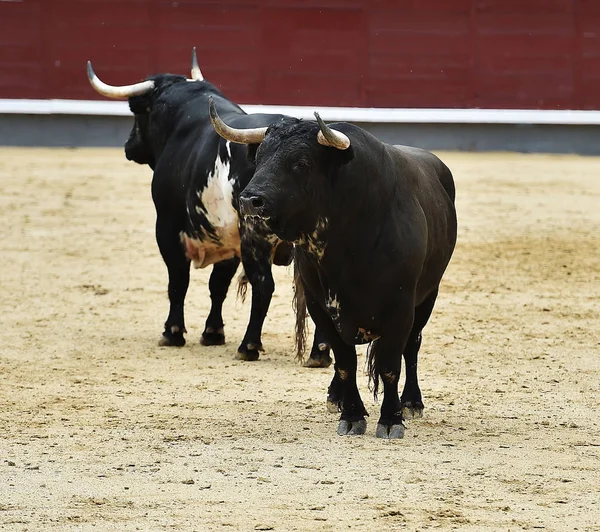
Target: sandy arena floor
point(102, 429)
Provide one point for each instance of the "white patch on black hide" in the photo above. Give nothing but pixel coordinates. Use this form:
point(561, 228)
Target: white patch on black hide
point(216, 204)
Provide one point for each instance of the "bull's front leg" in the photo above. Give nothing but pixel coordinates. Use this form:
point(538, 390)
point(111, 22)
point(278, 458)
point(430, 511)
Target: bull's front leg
point(256, 254)
point(343, 390)
point(386, 362)
point(178, 267)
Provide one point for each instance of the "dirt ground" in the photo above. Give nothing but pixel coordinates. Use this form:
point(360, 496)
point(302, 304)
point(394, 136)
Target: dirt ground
point(101, 428)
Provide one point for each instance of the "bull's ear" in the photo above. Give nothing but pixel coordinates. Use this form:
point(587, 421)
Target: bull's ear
point(140, 105)
point(252, 148)
point(347, 155)
point(342, 157)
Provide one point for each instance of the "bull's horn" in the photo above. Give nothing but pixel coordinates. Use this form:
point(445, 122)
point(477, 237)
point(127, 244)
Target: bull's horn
point(119, 93)
point(331, 137)
point(196, 74)
point(241, 136)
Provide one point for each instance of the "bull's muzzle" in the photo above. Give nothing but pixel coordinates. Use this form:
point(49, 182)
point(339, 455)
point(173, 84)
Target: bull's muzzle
point(252, 206)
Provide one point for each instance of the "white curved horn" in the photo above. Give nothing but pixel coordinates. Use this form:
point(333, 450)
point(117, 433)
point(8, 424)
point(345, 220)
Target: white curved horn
point(196, 74)
point(119, 93)
point(241, 136)
point(331, 137)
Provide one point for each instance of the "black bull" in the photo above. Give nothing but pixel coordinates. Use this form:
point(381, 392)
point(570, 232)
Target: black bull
point(375, 228)
point(197, 180)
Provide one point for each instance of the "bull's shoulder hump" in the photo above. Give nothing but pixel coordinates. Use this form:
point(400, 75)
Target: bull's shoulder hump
point(410, 152)
point(417, 157)
point(427, 166)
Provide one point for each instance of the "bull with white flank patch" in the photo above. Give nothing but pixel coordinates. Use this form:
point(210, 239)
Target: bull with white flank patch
point(375, 228)
point(197, 180)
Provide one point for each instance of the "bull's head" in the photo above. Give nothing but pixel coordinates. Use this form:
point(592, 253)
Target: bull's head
point(294, 160)
point(142, 96)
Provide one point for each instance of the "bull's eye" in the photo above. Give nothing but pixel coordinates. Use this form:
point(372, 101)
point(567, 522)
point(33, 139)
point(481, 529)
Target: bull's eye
point(300, 166)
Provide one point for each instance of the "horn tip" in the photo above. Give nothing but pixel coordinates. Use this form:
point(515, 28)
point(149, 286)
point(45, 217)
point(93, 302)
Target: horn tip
point(319, 120)
point(196, 72)
point(90, 71)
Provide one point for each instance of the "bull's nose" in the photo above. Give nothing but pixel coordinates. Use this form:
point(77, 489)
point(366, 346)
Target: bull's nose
point(251, 205)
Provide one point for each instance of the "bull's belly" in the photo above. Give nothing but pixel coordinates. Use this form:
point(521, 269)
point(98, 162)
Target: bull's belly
point(203, 253)
point(353, 334)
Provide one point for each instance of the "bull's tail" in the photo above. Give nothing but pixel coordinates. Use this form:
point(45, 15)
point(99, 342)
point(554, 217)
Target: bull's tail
point(299, 305)
point(372, 368)
point(242, 287)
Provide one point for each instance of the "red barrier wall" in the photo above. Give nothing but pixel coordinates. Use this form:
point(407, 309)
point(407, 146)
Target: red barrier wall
point(366, 53)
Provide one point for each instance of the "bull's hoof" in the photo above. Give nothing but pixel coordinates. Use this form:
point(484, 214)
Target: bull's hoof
point(390, 432)
point(170, 339)
point(248, 352)
point(412, 410)
point(212, 336)
point(352, 428)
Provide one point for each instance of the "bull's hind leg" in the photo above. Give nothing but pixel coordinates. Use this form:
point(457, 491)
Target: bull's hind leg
point(219, 282)
point(178, 266)
point(411, 400)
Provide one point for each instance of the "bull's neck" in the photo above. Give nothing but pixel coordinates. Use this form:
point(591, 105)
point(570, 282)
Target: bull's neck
point(358, 198)
point(357, 202)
